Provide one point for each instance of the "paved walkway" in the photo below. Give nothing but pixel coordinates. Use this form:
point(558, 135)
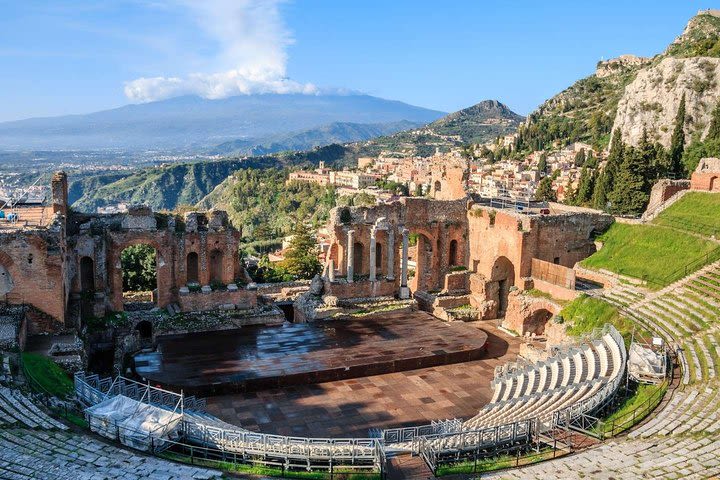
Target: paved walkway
point(352, 407)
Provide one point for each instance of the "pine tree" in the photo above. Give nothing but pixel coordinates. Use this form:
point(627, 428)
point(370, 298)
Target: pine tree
point(630, 192)
point(714, 130)
point(301, 257)
point(677, 141)
point(605, 182)
point(545, 191)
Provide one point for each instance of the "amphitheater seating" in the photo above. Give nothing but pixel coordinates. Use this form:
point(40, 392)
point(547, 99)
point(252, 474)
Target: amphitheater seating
point(540, 390)
point(26, 454)
point(17, 410)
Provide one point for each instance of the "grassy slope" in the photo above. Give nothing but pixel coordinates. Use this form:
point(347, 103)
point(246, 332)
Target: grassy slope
point(648, 252)
point(587, 313)
point(697, 212)
point(48, 374)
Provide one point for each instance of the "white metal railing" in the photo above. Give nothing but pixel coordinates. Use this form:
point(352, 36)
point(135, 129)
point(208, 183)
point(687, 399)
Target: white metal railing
point(91, 390)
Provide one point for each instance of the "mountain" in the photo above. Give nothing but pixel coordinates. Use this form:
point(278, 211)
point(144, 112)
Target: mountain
point(337, 132)
point(167, 187)
point(480, 123)
point(192, 122)
point(635, 94)
point(170, 186)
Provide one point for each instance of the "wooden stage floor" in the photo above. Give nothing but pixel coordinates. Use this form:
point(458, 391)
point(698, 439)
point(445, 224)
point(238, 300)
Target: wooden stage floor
point(261, 358)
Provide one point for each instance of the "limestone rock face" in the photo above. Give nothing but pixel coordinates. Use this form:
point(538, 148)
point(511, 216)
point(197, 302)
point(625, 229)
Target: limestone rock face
point(651, 100)
point(618, 65)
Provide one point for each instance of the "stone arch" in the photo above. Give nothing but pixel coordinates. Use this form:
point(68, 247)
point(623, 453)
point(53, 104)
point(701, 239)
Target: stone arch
point(358, 258)
point(424, 261)
point(6, 281)
point(536, 321)
point(145, 328)
point(87, 274)
point(192, 268)
point(452, 253)
point(216, 266)
point(503, 274)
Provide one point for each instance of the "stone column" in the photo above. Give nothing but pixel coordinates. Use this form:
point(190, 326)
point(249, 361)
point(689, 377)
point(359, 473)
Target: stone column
point(350, 255)
point(373, 252)
point(331, 270)
point(404, 290)
point(391, 253)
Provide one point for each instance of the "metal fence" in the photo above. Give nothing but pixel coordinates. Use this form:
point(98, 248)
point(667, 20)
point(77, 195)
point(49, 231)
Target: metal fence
point(196, 437)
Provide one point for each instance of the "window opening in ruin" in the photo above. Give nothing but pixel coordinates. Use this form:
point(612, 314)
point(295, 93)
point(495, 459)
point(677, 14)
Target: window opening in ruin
point(192, 268)
point(139, 275)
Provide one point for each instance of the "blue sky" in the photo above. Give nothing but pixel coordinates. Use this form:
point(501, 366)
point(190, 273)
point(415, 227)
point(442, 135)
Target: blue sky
point(79, 56)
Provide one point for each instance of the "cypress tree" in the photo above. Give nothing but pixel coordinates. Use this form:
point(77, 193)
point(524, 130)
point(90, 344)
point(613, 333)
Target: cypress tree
point(714, 130)
point(585, 187)
point(569, 193)
point(545, 191)
point(542, 164)
point(301, 258)
point(677, 141)
point(630, 193)
point(606, 180)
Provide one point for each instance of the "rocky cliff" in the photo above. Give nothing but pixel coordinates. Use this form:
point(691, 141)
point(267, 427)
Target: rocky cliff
point(651, 100)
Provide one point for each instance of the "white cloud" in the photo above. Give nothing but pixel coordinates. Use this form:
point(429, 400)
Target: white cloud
point(251, 40)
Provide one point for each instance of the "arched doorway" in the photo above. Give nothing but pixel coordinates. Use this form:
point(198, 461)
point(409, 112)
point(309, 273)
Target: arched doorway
point(139, 276)
point(535, 323)
point(145, 329)
point(452, 256)
point(216, 266)
point(438, 186)
point(503, 272)
point(714, 184)
point(6, 282)
point(192, 268)
point(423, 276)
point(358, 257)
point(87, 274)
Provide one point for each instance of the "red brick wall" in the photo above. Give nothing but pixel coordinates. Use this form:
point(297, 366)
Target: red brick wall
point(362, 289)
point(708, 182)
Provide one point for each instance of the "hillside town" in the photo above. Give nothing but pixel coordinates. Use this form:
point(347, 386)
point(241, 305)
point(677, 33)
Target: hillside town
point(515, 180)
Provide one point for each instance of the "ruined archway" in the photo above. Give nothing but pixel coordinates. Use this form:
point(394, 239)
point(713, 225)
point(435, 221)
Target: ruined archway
point(139, 265)
point(6, 282)
point(192, 268)
point(87, 275)
point(715, 184)
point(358, 258)
point(216, 266)
point(422, 279)
point(503, 275)
point(452, 253)
point(145, 329)
point(535, 323)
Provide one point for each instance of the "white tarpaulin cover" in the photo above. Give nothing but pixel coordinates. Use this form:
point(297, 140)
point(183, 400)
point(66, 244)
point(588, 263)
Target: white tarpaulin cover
point(645, 365)
point(132, 422)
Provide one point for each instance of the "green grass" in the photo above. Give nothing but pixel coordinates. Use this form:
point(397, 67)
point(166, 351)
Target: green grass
point(622, 418)
point(51, 378)
point(655, 254)
point(697, 212)
point(585, 313)
point(490, 464)
point(534, 292)
point(269, 471)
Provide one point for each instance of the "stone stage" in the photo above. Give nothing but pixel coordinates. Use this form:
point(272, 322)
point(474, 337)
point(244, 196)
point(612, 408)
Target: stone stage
point(262, 358)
